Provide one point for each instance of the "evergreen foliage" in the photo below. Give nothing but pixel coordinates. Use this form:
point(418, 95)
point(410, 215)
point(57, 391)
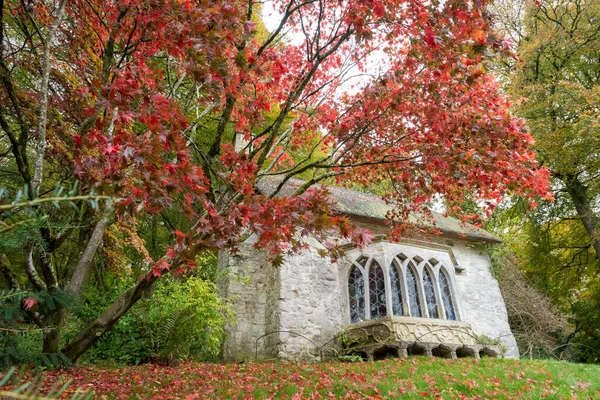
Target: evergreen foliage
point(16, 327)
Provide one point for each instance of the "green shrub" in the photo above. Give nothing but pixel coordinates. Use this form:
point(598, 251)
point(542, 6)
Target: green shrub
point(183, 319)
point(188, 319)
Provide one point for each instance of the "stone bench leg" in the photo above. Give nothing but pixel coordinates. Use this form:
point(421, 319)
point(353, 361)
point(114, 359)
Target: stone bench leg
point(403, 350)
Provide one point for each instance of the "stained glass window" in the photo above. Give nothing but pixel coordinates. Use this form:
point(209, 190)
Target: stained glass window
point(356, 292)
point(377, 291)
point(446, 295)
point(413, 292)
point(430, 294)
point(403, 270)
point(396, 286)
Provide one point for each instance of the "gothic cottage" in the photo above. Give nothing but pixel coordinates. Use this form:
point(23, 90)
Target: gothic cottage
point(430, 295)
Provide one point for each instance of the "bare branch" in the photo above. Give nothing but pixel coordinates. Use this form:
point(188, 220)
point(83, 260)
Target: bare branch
point(30, 270)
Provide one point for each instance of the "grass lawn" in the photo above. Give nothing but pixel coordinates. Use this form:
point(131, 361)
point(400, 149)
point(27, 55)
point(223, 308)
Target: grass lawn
point(417, 377)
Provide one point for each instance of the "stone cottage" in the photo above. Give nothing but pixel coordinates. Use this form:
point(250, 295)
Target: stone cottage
point(430, 295)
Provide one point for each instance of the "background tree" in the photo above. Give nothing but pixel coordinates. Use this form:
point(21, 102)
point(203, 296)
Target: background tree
point(559, 78)
point(555, 85)
point(176, 110)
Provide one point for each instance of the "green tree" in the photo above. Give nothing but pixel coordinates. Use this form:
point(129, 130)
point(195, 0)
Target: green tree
point(557, 87)
point(555, 84)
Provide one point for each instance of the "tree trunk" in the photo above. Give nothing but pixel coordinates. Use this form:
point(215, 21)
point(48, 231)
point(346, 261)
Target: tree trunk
point(93, 332)
point(51, 340)
point(7, 272)
point(43, 109)
point(51, 343)
point(82, 270)
point(578, 193)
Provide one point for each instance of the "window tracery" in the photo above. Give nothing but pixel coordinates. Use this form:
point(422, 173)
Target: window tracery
point(429, 290)
point(413, 291)
point(446, 295)
point(396, 285)
point(356, 292)
point(417, 288)
point(377, 299)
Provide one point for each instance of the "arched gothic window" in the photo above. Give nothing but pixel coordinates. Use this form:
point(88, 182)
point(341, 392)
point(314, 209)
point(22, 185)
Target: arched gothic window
point(413, 283)
point(446, 295)
point(430, 294)
point(413, 291)
point(377, 301)
point(356, 292)
point(396, 285)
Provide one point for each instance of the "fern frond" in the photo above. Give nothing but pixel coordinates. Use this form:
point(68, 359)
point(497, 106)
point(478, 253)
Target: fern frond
point(32, 390)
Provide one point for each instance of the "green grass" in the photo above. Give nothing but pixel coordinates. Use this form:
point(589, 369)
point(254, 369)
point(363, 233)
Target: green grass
point(415, 377)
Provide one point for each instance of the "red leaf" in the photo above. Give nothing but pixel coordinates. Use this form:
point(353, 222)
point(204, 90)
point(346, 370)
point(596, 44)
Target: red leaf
point(29, 302)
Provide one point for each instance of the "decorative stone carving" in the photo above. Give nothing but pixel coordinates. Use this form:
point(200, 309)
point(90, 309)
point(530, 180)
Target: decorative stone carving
point(403, 335)
point(414, 330)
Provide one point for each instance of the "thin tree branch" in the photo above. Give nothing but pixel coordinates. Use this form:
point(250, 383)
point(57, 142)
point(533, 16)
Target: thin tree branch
point(43, 111)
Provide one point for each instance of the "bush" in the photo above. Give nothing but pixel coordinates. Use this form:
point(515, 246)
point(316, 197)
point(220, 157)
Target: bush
point(183, 319)
point(537, 325)
point(187, 319)
point(20, 338)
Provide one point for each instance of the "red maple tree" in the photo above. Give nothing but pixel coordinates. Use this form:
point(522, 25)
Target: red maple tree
point(118, 95)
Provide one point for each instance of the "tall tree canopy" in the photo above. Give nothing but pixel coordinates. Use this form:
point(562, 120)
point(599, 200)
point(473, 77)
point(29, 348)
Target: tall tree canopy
point(179, 105)
point(560, 81)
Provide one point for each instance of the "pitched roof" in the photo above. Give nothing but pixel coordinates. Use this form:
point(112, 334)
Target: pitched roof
point(369, 206)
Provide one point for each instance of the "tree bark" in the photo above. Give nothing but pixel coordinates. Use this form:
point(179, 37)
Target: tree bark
point(578, 193)
point(30, 270)
point(51, 342)
point(83, 268)
point(7, 272)
point(93, 332)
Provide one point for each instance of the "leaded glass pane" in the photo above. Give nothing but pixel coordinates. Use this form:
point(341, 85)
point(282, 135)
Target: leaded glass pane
point(413, 293)
point(395, 284)
point(430, 294)
point(356, 292)
point(446, 295)
point(377, 291)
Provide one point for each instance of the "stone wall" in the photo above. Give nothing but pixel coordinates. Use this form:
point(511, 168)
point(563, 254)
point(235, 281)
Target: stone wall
point(309, 304)
point(308, 295)
point(244, 279)
point(481, 301)
point(272, 340)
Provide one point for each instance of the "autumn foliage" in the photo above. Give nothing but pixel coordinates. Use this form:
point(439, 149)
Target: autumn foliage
point(179, 104)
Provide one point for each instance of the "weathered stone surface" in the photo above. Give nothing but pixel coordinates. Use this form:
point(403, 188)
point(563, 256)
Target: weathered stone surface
point(481, 301)
point(243, 279)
